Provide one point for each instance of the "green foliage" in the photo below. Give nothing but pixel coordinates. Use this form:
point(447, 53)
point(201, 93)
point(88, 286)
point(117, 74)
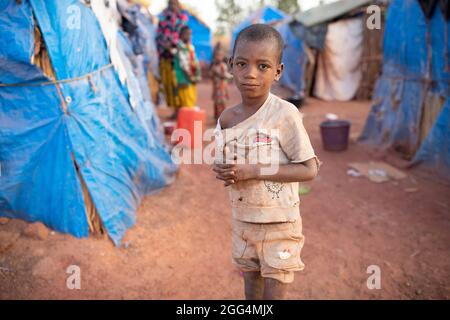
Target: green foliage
point(230, 14)
point(288, 6)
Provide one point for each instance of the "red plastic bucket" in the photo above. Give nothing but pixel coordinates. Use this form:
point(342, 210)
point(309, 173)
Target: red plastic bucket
point(335, 134)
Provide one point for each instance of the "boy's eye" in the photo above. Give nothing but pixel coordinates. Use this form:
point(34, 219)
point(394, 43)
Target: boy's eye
point(240, 64)
point(263, 66)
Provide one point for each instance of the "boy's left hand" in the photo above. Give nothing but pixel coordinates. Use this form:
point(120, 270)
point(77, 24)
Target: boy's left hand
point(232, 173)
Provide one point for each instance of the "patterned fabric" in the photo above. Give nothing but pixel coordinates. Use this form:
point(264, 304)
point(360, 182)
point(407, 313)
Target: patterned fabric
point(188, 95)
point(187, 67)
point(169, 26)
point(169, 82)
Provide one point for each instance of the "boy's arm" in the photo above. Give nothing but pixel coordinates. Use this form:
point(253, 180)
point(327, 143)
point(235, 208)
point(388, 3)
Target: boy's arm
point(294, 141)
point(292, 172)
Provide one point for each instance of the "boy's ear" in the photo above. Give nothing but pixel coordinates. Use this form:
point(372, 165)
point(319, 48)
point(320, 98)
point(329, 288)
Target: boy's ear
point(279, 72)
point(230, 63)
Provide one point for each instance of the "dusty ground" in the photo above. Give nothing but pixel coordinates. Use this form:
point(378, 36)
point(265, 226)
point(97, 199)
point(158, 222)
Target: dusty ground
point(180, 246)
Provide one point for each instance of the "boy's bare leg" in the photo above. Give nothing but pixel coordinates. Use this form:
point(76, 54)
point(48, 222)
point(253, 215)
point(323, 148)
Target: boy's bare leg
point(254, 285)
point(274, 289)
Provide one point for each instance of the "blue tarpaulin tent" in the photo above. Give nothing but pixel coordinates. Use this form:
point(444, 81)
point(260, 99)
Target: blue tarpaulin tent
point(413, 85)
point(294, 59)
point(201, 38)
point(82, 120)
point(435, 150)
point(267, 14)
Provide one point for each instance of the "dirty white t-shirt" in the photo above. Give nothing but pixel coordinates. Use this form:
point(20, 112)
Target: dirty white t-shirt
point(273, 135)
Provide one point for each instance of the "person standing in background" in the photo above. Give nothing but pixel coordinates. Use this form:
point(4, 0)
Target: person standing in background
point(187, 69)
point(172, 19)
point(219, 75)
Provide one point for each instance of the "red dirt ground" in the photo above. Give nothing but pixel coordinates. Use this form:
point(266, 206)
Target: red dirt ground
point(180, 246)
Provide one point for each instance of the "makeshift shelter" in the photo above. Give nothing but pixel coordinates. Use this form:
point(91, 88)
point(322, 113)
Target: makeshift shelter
point(328, 12)
point(338, 65)
point(201, 37)
point(372, 53)
point(337, 49)
point(410, 111)
point(73, 115)
point(138, 25)
point(294, 59)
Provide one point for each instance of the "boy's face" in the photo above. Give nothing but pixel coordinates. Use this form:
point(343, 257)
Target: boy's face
point(255, 66)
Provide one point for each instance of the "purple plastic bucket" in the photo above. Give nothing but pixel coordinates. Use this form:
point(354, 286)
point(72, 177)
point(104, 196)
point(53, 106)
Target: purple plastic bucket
point(335, 134)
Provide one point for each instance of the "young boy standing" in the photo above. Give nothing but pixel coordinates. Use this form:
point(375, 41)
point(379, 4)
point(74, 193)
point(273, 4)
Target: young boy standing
point(263, 152)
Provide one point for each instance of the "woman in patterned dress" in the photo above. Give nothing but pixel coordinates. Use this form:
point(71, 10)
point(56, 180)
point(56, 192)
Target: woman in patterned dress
point(172, 19)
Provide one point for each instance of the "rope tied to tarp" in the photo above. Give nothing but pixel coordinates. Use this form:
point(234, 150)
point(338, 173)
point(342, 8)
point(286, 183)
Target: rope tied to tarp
point(55, 82)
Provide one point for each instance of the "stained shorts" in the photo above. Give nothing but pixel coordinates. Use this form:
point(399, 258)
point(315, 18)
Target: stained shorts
point(273, 249)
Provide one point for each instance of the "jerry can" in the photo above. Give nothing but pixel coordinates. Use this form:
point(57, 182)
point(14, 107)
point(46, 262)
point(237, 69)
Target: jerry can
point(192, 120)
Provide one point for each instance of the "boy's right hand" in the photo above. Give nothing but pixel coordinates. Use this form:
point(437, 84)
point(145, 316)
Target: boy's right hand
point(224, 173)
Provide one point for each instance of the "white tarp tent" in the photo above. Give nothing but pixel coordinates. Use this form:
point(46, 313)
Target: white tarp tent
point(338, 71)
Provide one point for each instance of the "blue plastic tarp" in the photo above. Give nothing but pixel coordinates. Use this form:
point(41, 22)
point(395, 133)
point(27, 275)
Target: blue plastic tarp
point(266, 15)
point(313, 36)
point(434, 152)
point(407, 81)
point(119, 157)
point(201, 38)
point(294, 59)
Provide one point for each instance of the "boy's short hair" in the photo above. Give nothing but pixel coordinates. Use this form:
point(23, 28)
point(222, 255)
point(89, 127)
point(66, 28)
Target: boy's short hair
point(260, 32)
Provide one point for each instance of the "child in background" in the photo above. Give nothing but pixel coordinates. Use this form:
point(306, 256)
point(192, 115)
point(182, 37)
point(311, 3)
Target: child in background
point(187, 69)
point(219, 75)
